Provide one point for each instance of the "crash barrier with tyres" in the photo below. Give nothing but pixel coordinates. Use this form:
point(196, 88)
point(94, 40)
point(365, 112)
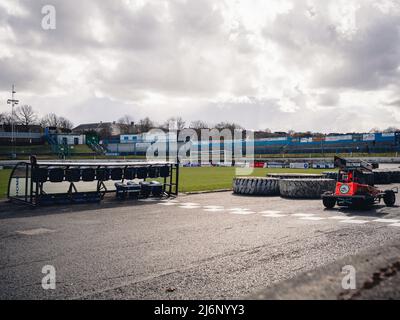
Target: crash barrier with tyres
point(378, 176)
point(331, 175)
point(386, 176)
point(257, 186)
point(40, 183)
point(287, 188)
point(295, 176)
point(305, 188)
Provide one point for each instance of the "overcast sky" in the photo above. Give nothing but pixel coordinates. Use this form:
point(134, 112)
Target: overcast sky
point(320, 65)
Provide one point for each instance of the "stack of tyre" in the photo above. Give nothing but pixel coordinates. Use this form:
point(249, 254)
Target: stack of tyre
point(256, 186)
point(386, 176)
point(295, 186)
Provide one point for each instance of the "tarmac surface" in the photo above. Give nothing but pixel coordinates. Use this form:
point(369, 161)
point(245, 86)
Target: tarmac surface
point(204, 246)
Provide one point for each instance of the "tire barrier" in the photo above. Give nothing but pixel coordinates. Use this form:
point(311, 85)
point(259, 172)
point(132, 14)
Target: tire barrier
point(305, 188)
point(295, 176)
point(383, 176)
point(257, 186)
point(380, 176)
point(395, 176)
point(331, 175)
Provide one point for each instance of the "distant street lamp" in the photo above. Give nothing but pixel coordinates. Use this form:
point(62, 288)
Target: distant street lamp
point(13, 103)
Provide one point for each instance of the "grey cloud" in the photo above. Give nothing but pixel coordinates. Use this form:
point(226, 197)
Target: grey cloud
point(395, 103)
point(184, 51)
point(368, 59)
point(329, 99)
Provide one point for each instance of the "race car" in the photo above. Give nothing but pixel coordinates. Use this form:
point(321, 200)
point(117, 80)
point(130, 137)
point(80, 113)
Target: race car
point(355, 187)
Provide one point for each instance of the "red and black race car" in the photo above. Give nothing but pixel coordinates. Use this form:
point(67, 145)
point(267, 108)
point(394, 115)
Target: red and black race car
point(355, 187)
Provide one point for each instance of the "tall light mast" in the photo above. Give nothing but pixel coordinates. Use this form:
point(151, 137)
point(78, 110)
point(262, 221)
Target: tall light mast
point(13, 103)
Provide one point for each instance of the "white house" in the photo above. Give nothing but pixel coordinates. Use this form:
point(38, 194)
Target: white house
point(71, 139)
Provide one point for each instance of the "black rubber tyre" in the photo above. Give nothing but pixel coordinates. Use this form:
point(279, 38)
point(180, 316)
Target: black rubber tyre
point(382, 176)
point(395, 176)
point(305, 188)
point(389, 198)
point(256, 186)
point(331, 175)
point(329, 203)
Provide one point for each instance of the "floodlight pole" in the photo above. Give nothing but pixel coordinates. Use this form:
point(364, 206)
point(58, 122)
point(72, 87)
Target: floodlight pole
point(13, 103)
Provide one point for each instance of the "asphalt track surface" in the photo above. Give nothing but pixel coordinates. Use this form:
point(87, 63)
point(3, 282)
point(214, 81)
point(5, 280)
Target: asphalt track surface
point(205, 246)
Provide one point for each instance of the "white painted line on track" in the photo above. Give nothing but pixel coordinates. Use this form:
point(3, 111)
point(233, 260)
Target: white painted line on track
point(341, 218)
point(270, 212)
point(355, 221)
point(241, 211)
point(190, 204)
point(215, 210)
point(313, 218)
point(213, 207)
point(392, 221)
point(303, 215)
point(189, 207)
point(169, 203)
point(35, 232)
point(395, 225)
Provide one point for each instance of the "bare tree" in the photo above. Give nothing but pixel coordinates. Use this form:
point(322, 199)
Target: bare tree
point(145, 125)
point(65, 123)
point(375, 130)
point(4, 117)
point(25, 115)
point(126, 125)
point(175, 123)
point(291, 133)
point(105, 132)
point(198, 124)
point(391, 130)
point(226, 125)
point(49, 120)
point(52, 120)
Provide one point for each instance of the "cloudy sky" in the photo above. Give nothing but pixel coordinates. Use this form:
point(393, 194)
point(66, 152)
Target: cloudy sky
point(321, 65)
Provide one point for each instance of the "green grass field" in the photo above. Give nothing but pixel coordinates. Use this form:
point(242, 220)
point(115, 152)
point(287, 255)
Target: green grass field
point(204, 179)
point(4, 176)
point(193, 179)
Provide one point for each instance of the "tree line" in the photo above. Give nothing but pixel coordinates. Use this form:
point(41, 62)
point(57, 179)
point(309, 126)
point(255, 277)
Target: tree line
point(127, 125)
point(26, 116)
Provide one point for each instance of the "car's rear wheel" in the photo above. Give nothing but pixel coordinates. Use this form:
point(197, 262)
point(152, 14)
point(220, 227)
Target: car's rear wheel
point(389, 198)
point(329, 203)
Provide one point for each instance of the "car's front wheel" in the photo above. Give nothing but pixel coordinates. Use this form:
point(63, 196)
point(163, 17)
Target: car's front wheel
point(329, 203)
point(389, 198)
